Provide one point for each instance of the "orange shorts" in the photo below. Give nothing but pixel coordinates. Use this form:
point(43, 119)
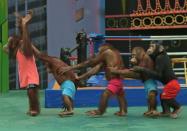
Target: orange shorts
point(115, 85)
point(170, 90)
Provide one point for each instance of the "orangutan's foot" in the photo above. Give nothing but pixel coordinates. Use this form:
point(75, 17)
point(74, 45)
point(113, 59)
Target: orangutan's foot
point(119, 113)
point(33, 113)
point(94, 113)
point(66, 113)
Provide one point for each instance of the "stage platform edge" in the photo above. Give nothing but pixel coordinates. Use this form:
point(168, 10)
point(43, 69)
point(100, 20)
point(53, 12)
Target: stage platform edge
point(89, 97)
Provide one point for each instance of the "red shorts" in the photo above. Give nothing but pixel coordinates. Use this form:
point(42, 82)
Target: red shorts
point(115, 86)
point(170, 90)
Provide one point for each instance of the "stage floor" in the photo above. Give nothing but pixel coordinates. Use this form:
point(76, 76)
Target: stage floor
point(13, 118)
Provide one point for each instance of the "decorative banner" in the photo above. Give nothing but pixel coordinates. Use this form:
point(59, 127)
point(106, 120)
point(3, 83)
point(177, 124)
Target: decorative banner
point(151, 18)
point(120, 21)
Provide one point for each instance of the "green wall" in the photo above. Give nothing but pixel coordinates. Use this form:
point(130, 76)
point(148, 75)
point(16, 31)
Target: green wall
point(4, 64)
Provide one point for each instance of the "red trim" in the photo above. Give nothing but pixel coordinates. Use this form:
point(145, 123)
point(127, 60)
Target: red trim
point(147, 14)
point(158, 13)
point(116, 16)
point(147, 28)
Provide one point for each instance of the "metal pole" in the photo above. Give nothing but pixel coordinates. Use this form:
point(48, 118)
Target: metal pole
point(130, 49)
point(26, 6)
point(16, 29)
point(16, 11)
point(123, 3)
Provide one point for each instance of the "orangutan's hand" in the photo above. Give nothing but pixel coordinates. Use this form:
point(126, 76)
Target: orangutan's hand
point(138, 69)
point(28, 17)
point(77, 78)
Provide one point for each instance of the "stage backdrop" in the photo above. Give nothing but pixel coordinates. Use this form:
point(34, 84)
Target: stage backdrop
point(63, 26)
point(64, 20)
point(120, 15)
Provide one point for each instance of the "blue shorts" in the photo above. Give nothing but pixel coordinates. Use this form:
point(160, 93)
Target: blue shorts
point(68, 89)
point(150, 85)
